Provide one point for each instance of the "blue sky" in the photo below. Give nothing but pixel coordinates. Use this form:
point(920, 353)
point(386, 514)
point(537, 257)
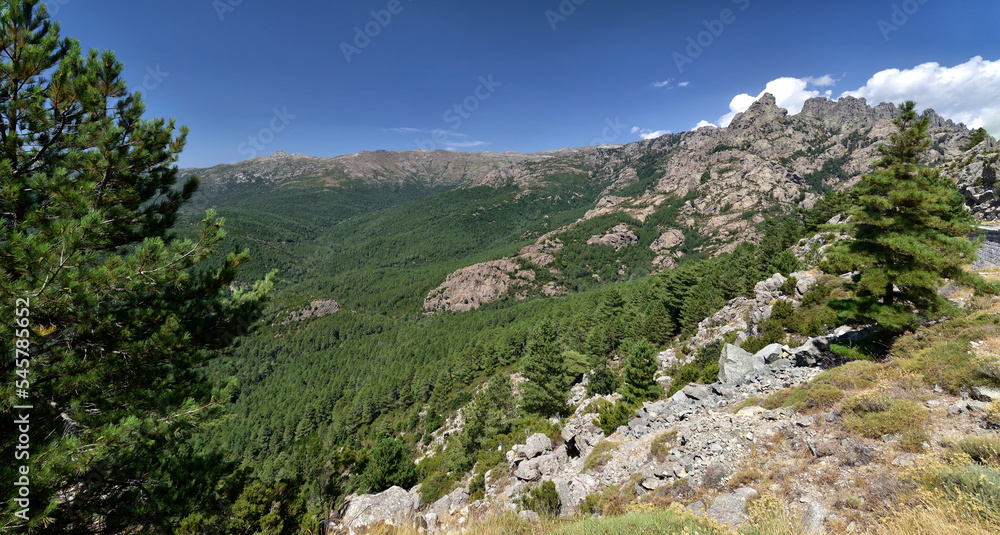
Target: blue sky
point(251, 77)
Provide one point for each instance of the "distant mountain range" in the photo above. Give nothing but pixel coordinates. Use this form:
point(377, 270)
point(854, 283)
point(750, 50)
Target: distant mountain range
point(717, 184)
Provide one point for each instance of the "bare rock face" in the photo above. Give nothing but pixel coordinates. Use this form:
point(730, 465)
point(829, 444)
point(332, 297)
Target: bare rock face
point(394, 507)
point(977, 180)
point(731, 508)
point(666, 250)
point(720, 181)
point(737, 365)
point(619, 237)
point(743, 315)
point(316, 309)
point(471, 287)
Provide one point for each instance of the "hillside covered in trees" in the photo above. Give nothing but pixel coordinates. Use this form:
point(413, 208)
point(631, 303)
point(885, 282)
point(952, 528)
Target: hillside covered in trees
point(245, 351)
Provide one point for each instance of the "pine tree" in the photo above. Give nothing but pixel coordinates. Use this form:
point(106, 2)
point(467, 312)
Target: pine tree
point(910, 230)
point(657, 327)
point(390, 464)
point(546, 391)
point(117, 313)
point(640, 366)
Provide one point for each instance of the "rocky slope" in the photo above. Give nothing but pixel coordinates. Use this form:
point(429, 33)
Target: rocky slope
point(722, 182)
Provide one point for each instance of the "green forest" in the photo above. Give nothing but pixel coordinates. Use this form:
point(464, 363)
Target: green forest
point(175, 392)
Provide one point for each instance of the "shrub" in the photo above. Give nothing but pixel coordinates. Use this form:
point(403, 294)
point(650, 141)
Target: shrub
point(983, 450)
point(661, 445)
point(801, 398)
point(767, 515)
point(713, 476)
point(611, 416)
point(600, 455)
point(976, 487)
point(993, 414)
point(543, 499)
point(608, 502)
point(477, 486)
point(851, 376)
point(776, 399)
point(873, 414)
point(788, 287)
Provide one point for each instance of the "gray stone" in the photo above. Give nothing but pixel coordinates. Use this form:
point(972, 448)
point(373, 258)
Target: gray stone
point(956, 408)
point(811, 352)
point(457, 499)
point(581, 435)
point(529, 515)
point(976, 406)
point(771, 353)
point(527, 471)
point(430, 522)
point(573, 490)
point(663, 471)
point(697, 508)
point(536, 445)
point(679, 398)
point(697, 392)
point(781, 364)
point(393, 506)
point(985, 393)
point(814, 521)
point(737, 365)
point(731, 508)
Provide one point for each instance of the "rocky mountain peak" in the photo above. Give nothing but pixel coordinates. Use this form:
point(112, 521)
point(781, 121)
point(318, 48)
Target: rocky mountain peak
point(765, 110)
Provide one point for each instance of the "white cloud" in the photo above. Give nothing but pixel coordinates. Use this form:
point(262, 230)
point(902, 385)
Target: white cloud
point(703, 122)
point(790, 93)
point(645, 133)
point(822, 81)
point(967, 93)
point(669, 84)
point(452, 145)
point(406, 130)
point(438, 138)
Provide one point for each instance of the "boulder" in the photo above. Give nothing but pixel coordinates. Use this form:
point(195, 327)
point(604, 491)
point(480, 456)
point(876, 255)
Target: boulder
point(393, 506)
point(814, 521)
point(771, 353)
point(985, 394)
point(457, 499)
point(581, 435)
point(812, 352)
point(731, 508)
point(536, 445)
point(527, 471)
point(573, 490)
point(737, 365)
point(697, 392)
